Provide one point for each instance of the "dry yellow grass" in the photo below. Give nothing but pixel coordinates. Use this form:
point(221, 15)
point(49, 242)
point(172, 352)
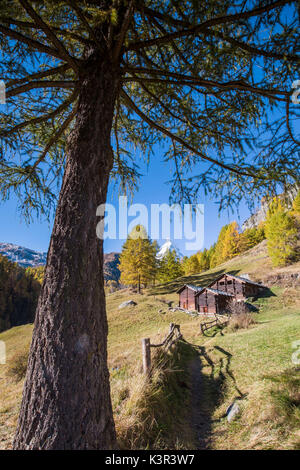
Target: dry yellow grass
point(153, 414)
point(16, 340)
point(232, 364)
point(270, 418)
point(126, 329)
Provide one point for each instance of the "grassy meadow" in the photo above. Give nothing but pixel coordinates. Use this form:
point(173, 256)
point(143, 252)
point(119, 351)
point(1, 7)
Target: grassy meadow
point(184, 405)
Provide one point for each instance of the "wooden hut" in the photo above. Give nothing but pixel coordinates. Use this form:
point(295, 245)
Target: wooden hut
point(238, 286)
point(210, 300)
point(187, 296)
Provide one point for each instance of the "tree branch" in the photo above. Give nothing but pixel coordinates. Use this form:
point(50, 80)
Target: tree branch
point(60, 31)
point(43, 74)
point(84, 21)
point(287, 116)
point(201, 27)
point(50, 35)
point(35, 45)
point(253, 50)
point(40, 84)
point(124, 28)
point(179, 118)
point(53, 139)
point(163, 16)
point(174, 137)
point(193, 80)
point(178, 174)
point(173, 45)
point(43, 118)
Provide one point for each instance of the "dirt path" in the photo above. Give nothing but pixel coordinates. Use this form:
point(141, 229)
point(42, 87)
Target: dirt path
point(207, 392)
point(200, 416)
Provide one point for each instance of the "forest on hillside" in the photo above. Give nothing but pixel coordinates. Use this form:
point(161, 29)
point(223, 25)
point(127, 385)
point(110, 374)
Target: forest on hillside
point(19, 291)
point(139, 265)
point(20, 287)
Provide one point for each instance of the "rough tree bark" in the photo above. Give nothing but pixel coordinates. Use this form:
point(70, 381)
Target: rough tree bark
point(66, 400)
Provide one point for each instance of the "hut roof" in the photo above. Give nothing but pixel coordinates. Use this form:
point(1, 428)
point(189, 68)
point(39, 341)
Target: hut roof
point(215, 291)
point(189, 286)
point(239, 278)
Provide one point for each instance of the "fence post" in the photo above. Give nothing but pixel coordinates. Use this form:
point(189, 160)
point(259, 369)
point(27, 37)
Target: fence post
point(171, 327)
point(146, 355)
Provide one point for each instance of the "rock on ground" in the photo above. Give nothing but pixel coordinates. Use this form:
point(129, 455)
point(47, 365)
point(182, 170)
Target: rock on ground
point(127, 303)
point(233, 411)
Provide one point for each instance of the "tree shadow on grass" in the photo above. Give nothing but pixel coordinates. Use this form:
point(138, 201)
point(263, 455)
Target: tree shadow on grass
point(199, 280)
point(265, 294)
point(208, 383)
point(226, 363)
point(213, 331)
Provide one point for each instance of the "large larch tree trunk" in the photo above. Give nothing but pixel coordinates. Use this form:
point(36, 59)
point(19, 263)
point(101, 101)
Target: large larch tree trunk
point(66, 400)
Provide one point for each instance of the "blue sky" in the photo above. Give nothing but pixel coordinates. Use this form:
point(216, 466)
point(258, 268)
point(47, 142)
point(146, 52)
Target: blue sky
point(152, 189)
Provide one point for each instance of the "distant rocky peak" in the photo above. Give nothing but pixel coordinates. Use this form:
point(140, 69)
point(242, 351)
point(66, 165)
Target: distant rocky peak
point(261, 213)
point(25, 257)
point(166, 247)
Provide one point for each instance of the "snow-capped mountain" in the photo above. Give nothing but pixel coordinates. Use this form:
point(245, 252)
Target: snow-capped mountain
point(30, 258)
point(23, 256)
point(166, 247)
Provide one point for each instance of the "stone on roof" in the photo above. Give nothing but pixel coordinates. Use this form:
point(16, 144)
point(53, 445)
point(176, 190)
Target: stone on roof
point(190, 286)
point(218, 292)
point(196, 288)
point(245, 279)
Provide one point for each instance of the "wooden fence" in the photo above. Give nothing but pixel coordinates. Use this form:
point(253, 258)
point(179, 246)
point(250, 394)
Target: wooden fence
point(216, 322)
point(173, 336)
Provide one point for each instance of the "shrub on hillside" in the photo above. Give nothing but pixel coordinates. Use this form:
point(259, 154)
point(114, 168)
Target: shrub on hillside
point(18, 367)
point(112, 286)
point(240, 317)
point(291, 296)
point(240, 321)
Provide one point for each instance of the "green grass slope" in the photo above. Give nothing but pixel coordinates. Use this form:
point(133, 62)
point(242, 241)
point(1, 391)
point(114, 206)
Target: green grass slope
point(201, 378)
point(257, 370)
